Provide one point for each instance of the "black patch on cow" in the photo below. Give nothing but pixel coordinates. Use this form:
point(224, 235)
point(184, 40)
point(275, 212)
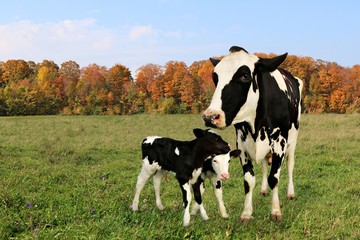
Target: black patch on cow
point(218, 184)
point(215, 78)
point(233, 96)
point(246, 187)
point(262, 134)
point(275, 135)
point(196, 190)
point(236, 49)
point(272, 180)
point(244, 129)
point(248, 167)
point(282, 143)
point(276, 164)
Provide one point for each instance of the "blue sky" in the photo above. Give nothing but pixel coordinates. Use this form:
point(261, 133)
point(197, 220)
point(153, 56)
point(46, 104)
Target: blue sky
point(134, 33)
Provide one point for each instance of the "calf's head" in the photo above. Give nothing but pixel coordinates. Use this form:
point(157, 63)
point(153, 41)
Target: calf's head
point(210, 142)
point(220, 163)
point(236, 94)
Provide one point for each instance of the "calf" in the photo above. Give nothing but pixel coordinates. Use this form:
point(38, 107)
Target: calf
point(185, 159)
point(216, 169)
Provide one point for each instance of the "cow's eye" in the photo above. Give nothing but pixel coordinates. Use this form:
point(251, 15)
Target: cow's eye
point(245, 77)
point(215, 161)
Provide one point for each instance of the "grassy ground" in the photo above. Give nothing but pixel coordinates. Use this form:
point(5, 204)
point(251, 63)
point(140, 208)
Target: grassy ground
point(73, 177)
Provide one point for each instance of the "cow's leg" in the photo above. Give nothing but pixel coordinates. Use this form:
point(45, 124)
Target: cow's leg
point(199, 189)
point(157, 181)
point(249, 184)
point(186, 192)
point(217, 183)
point(264, 182)
point(279, 149)
point(290, 166)
point(145, 174)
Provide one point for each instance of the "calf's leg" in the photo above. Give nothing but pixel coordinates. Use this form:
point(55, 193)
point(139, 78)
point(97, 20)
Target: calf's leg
point(145, 174)
point(186, 192)
point(199, 189)
point(157, 181)
point(217, 183)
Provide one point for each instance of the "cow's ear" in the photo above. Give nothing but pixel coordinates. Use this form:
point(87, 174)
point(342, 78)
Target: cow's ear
point(214, 61)
point(235, 153)
point(271, 64)
point(199, 132)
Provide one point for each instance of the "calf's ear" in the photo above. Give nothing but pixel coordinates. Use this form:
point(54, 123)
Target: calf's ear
point(235, 153)
point(199, 132)
point(271, 64)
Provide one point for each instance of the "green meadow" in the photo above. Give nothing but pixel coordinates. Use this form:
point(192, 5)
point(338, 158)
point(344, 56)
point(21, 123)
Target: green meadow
point(73, 177)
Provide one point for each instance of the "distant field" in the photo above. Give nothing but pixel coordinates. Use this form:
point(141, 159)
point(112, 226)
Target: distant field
point(73, 177)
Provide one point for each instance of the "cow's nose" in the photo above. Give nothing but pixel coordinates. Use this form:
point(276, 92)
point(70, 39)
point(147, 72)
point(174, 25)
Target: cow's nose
point(209, 119)
point(224, 176)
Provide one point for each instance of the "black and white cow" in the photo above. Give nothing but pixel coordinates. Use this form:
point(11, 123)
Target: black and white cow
point(263, 102)
point(185, 159)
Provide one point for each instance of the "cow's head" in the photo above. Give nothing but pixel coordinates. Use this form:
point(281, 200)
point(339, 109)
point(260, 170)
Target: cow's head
point(220, 163)
point(211, 143)
point(236, 95)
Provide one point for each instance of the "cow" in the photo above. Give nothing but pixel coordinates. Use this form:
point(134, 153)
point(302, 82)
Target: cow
point(185, 159)
point(263, 103)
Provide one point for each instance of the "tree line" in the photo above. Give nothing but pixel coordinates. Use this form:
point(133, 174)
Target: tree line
point(29, 88)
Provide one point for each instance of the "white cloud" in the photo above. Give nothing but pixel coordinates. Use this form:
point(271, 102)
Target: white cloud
point(138, 32)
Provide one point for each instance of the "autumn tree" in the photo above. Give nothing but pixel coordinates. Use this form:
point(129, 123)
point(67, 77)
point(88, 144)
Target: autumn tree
point(69, 76)
point(14, 70)
point(119, 81)
point(149, 85)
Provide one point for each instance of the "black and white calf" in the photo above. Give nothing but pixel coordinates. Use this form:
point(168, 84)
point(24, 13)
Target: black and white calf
point(183, 158)
point(216, 168)
point(263, 103)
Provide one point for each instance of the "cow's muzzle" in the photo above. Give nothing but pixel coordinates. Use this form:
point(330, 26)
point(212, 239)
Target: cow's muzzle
point(211, 120)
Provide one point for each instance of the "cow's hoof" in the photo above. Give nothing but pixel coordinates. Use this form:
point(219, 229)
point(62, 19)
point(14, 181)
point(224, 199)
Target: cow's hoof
point(245, 219)
point(291, 196)
point(276, 217)
point(225, 215)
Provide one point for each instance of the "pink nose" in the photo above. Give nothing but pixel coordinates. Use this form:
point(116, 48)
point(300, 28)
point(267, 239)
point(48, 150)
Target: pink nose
point(224, 176)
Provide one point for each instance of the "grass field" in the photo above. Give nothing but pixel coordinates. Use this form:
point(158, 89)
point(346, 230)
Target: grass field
point(73, 177)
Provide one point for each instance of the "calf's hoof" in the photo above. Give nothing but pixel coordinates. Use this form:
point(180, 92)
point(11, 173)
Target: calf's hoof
point(133, 207)
point(264, 193)
point(245, 219)
point(225, 215)
point(276, 217)
point(161, 207)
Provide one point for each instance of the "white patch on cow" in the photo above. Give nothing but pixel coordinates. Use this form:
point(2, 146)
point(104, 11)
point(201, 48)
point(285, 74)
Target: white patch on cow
point(247, 112)
point(187, 188)
point(150, 139)
point(262, 147)
point(248, 209)
point(177, 152)
point(279, 79)
point(195, 174)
